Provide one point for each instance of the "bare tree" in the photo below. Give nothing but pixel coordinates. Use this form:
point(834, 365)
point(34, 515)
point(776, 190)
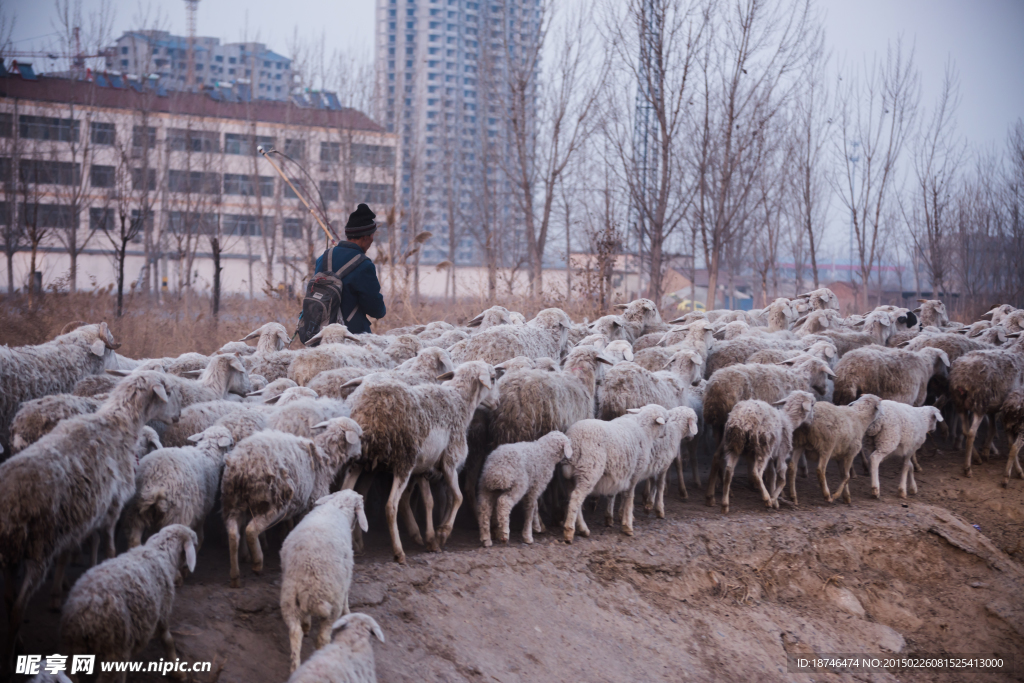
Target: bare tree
point(12, 230)
point(749, 74)
point(667, 35)
point(938, 155)
point(876, 117)
point(547, 122)
point(73, 175)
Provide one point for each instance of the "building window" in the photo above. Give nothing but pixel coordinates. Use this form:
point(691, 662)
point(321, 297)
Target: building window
point(193, 182)
point(101, 133)
point(137, 176)
point(101, 176)
point(41, 172)
point(49, 215)
point(329, 190)
point(244, 225)
point(6, 125)
point(292, 229)
point(379, 156)
point(184, 140)
point(330, 151)
point(124, 50)
point(101, 219)
point(373, 193)
point(192, 223)
point(143, 136)
point(243, 144)
point(244, 185)
point(47, 128)
point(219, 58)
point(232, 60)
point(296, 149)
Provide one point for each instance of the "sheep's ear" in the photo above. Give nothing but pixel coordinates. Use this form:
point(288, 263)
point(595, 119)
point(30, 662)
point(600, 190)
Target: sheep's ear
point(633, 411)
point(902, 344)
point(273, 399)
point(352, 383)
point(321, 425)
point(485, 378)
point(628, 355)
point(316, 337)
point(568, 449)
point(780, 402)
point(938, 415)
point(190, 554)
point(476, 322)
point(917, 310)
point(945, 357)
point(601, 358)
point(160, 391)
point(352, 438)
point(660, 420)
point(252, 335)
point(225, 442)
point(258, 392)
point(962, 330)
point(922, 301)
point(445, 376)
point(808, 406)
point(236, 364)
point(97, 348)
point(361, 517)
point(283, 336)
point(693, 427)
point(828, 371)
point(119, 373)
point(195, 438)
point(830, 352)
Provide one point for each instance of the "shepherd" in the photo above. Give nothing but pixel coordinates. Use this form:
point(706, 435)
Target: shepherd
point(345, 288)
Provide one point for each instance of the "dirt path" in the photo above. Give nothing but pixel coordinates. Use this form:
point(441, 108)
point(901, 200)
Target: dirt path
point(696, 596)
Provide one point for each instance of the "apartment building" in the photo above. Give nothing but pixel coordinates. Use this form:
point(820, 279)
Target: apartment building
point(441, 68)
point(78, 155)
point(163, 54)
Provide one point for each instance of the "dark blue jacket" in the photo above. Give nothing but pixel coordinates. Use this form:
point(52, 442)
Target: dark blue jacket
point(362, 288)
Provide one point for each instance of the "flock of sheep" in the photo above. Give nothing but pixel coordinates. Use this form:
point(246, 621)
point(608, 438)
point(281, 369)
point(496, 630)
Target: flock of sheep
point(545, 411)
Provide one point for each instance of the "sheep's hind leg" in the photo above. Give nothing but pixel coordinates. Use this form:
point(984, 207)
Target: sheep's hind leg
point(1013, 460)
point(609, 514)
point(233, 538)
point(716, 466)
point(171, 653)
point(972, 433)
point(682, 480)
point(451, 478)
point(428, 505)
point(294, 640)
point(408, 518)
point(57, 589)
point(398, 485)
point(256, 526)
point(483, 516)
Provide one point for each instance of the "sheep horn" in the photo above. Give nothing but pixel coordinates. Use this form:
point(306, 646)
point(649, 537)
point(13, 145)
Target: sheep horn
point(677, 320)
point(321, 425)
point(74, 324)
point(445, 376)
point(604, 359)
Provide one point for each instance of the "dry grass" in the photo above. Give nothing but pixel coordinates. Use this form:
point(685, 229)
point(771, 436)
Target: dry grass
point(150, 329)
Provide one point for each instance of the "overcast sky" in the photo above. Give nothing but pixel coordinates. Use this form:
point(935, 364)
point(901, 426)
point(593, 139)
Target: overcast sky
point(984, 38)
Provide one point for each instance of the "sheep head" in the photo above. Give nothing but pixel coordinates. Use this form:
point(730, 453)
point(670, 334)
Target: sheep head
point(356, 620)
point(346, 500)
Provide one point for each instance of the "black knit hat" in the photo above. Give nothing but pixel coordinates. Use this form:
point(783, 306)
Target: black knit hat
point(360, 222)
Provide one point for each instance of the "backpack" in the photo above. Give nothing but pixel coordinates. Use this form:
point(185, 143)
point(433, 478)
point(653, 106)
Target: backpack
point(322, 303)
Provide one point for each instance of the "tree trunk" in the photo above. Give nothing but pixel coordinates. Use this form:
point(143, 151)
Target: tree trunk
point(215, 250)
point(709, 303)
point(120, 276)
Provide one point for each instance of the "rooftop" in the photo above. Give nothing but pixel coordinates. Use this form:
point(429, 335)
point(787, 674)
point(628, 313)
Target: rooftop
point(230, 101)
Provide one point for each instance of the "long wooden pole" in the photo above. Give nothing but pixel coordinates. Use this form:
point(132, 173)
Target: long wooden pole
point(327, 231)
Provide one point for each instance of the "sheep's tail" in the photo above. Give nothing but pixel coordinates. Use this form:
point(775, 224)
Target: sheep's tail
point(153, 498)
point(497, 480)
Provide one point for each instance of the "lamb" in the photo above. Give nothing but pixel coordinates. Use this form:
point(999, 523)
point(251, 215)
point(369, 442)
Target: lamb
point(308, 363)
point(74, 480)
point(1013, 420)
point(30, 372)
point(645, 312)
point(892, 374)
point(532, 403)
point(270, 358)
point(610, 458)
point(878, 325)
point(979, 383)
point(38, 417)
point(769, 383)
point(822, 350)
point(821, 299)
point(900, 430)
point(290, 395)
point(849, 341)
point(300, 417)
point(834, 432)
point(763, 435)
point(90, 385)
point(349, 657)
point(177, 486)
point(932, 312)
point(599, 341)
point(116, 608)
point(545, 335)
point(446, 340)
point(737, 351)
point(335, 383)
point(627, 385)
point(416, 430)
point(200, 416)
point(681, 424)
point(616, 327)
point(513, 471)
point(492, 317)
point(238, 348)
point(316, 568)
point(618, 351)
point(274, 476)
point(817, 321)
point(424, 368)
point(222, 376)
point(270, 390)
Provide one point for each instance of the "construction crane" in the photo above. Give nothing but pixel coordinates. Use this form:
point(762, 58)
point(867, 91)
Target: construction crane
point(190, 76)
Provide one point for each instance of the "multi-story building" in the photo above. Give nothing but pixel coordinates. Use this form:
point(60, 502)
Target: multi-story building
point(442, 86)
point(78, 157)
point(145, 53)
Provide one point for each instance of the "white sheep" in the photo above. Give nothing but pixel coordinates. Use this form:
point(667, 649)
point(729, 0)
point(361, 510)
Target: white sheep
point(545, 335)
point(177, 486)
point(298, 417)
point(900, 431)
point(269, 390)
point(419, 430)
point(681, 424)
point(763, 435)
point(38, 417)
point(609, 458)
point(512, 472)
point(116, 608)
point(349, 656)
point(73, 481)
point(29, 372)
point(316, 568)
point(308, 363)
point(274, 476)
point(892, 374)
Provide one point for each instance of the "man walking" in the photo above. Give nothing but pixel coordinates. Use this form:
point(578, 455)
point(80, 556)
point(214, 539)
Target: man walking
point(361, 295)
